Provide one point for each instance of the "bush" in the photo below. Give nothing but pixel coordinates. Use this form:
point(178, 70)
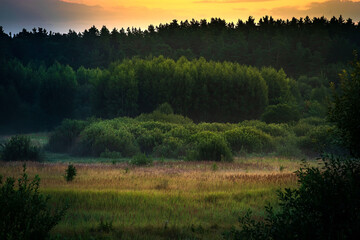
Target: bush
point(318, 140)
point(109, 154)
point(301, 128)
point(325, 206)
point(99, 136)
point(288, 147)
point(171, 148)
point(280, 113)
point(149, 139)
point(64, 137)
point(19, 148)
point(344, 109)
point(273, 129)
point(25, 213)
point(163, 117)
point(248, 139)
point(70, 173)
point(211, 147)
point(141, 160)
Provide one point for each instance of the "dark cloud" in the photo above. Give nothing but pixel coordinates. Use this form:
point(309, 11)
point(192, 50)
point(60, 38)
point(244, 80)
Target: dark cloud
point(16, 14)
point(60, 16)
point(348, 9)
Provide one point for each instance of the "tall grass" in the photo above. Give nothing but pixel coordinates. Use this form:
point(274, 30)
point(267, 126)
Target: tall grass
point(165, 200)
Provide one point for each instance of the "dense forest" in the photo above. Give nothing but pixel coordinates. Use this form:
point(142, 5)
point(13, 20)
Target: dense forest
point(203, 70)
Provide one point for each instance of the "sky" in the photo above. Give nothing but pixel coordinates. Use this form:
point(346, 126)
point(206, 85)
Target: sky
point(78, 15)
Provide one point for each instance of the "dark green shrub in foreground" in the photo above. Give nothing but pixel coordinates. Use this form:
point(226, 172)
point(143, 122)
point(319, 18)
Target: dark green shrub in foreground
point(211, 147)
point(280, 113)
point(20, 148)
point(24, 212)
point(325, 206)
point(70, 173)
point(344, 109)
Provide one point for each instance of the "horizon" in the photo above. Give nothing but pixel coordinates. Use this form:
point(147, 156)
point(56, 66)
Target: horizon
point(157, 25)
point(60, 16)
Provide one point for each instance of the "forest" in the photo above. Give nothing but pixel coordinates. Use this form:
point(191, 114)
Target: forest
point(194, 66)
point(186, 130)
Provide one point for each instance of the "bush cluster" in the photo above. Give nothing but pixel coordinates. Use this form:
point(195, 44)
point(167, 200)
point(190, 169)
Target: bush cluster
point(166, 137)
point(25, 213)
point(20, 148)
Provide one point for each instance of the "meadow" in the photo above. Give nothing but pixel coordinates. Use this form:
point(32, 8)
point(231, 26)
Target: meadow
point(167, 200)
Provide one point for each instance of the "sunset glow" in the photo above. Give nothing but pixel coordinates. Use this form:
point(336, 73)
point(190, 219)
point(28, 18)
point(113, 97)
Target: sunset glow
point(60, 15)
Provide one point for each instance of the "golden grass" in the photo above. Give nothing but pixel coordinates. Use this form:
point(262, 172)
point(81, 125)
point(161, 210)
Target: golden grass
point(163, 199)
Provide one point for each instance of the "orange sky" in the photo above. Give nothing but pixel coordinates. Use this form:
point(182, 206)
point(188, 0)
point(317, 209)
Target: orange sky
point(60, 15)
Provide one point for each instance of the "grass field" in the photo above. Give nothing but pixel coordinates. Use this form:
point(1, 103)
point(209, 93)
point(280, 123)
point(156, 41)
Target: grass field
point(168, 200)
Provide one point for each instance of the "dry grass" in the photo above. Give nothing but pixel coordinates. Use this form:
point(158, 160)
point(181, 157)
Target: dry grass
point(163, 199)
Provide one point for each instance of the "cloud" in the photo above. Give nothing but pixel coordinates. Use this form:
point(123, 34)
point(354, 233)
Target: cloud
point(58, 15)
point(348, 9)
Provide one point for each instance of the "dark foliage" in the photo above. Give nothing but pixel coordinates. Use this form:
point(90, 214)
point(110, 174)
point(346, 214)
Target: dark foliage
point(141, 160)
point(74, 75)
point(300, 46)
point(70, 173)
point(25, 213)
point(211, 147)
point(344, 109)
point(20, 148)
point(64, 136)
point(325, 206)
point(280, 113)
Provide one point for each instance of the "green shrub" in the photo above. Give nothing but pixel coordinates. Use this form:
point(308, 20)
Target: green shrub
point(70, 173)
point(151, 125)
point(171, 148)
point(64, 137)
point(325, 206)
point(99, 136)
point(315, 121)
point(318, 140)
point(315, 109)
point(25, 213)
point(249, 139)
point(211, 147)
point(288, 147)
point(301, 128)
point(280, 113)
point(162, 117)
point(273, 129)
point(141, 160)
point(20, 148)
point(179, 132)
point(149, 139)
point(214, 127)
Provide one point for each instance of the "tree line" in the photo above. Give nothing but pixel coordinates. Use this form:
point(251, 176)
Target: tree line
point(39, 97)
point(317, 46)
